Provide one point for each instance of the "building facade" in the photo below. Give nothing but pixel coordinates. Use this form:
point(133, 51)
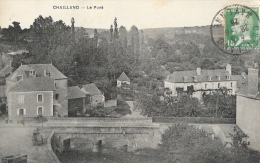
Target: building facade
point(76, 101)
point(123, 79)
point(37, 89)
point(94, 94)
point(200, 82)
point(248, 109)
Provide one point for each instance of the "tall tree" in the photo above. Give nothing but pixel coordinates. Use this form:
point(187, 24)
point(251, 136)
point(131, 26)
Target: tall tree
point(73, 28)
point(116, 29)
point(111, 33)
point(134, 34)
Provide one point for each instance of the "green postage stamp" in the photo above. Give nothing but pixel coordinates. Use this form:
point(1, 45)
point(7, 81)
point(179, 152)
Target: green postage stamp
point(241, 27)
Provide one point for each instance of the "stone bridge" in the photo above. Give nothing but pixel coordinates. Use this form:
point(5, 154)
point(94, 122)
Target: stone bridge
point(118, 134)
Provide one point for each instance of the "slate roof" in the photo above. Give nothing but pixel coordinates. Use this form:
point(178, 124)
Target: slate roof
point(34, 84)
point(39, 68)
point(5, 70)
point(91, 89)
point(123, 77)
point(75, 92)
point(2, 91)
point(241, 81)
point(244, 91)
point(178, 76)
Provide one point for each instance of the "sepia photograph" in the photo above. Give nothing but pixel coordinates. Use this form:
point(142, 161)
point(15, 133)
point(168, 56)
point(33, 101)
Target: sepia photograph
point(130, 81)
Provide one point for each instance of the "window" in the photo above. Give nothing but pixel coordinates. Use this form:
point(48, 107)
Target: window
point(56, 96)
point(55, 84)
point(231, 84)
point(21, 99)
point(209, 78)
point(21, 112)
point(39, 98)
point(205, 86)
point(218, 85)
point(228, 77)
point(218, 77)
point(33, 73)
point(39, 110)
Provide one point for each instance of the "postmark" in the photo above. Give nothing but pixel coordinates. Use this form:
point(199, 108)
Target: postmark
point(235, 29)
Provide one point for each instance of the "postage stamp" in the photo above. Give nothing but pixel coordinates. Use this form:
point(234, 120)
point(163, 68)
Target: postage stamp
point(241, 27)
point(235, 29)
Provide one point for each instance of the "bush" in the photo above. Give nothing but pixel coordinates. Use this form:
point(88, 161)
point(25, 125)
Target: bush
point(122, 108)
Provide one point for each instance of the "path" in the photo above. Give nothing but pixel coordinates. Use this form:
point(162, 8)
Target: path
point(17, 139)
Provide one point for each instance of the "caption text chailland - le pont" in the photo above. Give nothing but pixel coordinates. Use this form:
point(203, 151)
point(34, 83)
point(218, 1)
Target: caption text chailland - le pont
point(78, 7)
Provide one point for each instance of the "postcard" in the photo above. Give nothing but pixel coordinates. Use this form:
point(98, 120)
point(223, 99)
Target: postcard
point(147, 81)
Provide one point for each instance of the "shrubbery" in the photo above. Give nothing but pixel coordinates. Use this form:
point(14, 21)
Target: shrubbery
point(185, 143)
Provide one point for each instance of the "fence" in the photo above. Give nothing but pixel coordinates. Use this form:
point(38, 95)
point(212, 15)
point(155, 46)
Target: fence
point(210, 120)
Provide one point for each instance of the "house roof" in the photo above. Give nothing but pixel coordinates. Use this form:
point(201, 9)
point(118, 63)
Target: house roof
point(75, 92)
point(2, 91)
point(5, 70)
point(245, 92)
point(34, 84)
point(123, 77)
point(178, 76)
point(39, 69)
point(241, 80)
point(91, 89)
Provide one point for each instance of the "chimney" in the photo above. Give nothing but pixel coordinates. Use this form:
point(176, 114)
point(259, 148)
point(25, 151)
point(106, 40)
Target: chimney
point(228, 69)
point(252, 81)
point(198, 71)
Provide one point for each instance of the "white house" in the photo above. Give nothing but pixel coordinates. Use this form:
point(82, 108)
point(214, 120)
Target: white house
point(123, 79)
point(199, 82)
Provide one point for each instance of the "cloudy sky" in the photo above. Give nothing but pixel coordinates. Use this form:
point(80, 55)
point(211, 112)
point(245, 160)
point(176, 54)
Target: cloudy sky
point(142, 13)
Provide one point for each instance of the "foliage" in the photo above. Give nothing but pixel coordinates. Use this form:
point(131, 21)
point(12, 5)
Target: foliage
point(182, 106)
point(220, 104)
point(100, 111)
point(122, 108)
point(40, 119)
point(185, 143)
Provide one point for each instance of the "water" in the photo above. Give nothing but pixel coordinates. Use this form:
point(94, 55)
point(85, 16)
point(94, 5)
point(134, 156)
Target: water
point(111, 156)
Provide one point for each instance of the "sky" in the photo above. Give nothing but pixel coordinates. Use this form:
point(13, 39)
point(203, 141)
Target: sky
point(141, 13)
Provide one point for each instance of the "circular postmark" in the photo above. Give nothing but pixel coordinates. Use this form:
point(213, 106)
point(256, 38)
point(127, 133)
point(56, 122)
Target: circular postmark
point(235, 29)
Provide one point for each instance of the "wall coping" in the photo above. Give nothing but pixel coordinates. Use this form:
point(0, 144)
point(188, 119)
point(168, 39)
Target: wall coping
point(50, 152)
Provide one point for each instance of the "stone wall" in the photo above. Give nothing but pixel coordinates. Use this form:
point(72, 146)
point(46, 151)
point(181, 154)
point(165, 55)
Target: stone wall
point(112, 137)
point(248, 119)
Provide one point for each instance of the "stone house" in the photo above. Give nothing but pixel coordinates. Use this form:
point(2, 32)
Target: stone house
point(94, 94)
point(37, 89)
point(123, 79)
point(248, 109)
point(200, 82)
point(76, 101)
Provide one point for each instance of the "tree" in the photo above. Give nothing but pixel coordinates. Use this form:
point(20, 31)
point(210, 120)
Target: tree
point(116, 29)
point(41, 119)
point(186, 143)
point(12, 33)
point(134, 34)
point(220, 104)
